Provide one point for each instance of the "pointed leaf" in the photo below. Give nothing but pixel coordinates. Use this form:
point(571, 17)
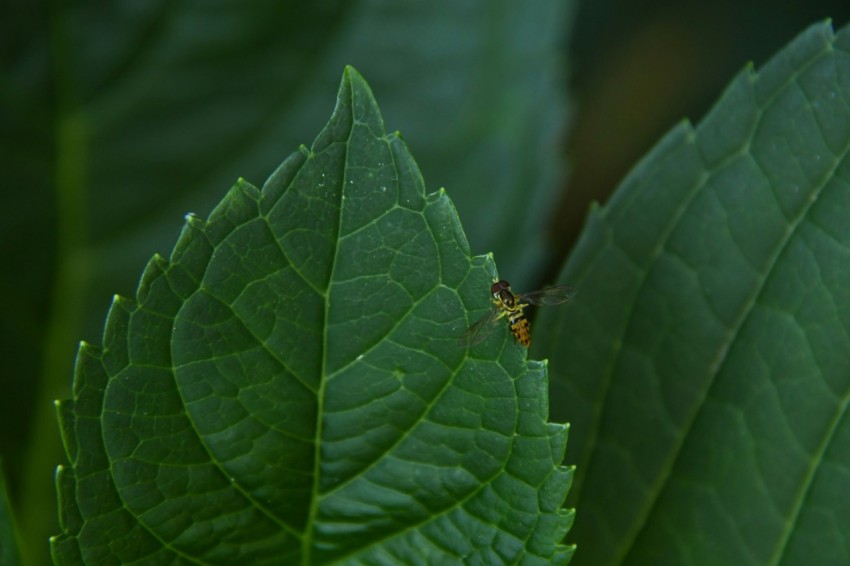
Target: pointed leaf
point(287, 387)
point(119, 123)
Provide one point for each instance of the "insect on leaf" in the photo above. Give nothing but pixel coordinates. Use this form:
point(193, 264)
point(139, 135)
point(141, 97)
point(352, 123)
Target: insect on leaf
point(287, 386)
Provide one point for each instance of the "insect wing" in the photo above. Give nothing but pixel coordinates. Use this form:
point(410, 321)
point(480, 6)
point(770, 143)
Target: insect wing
point(481, 329)
point(549, 295)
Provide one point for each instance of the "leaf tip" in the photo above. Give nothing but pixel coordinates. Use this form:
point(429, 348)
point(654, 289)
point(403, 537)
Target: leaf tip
point(191, 218)
point(353, 81)
point(350, 74)
point(438, 195)
point(356, 101)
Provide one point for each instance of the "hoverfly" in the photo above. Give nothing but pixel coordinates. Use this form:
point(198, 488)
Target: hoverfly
point(510, 305)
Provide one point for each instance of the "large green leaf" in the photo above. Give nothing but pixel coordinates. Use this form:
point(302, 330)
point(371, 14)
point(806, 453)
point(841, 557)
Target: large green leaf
point(705, 364)
point(288, 385)
point(117, 120)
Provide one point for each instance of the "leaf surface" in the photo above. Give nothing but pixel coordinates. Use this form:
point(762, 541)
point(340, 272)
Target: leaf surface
point(705, 363)
point(494, 142)
point(120, 121)
point(288, 387)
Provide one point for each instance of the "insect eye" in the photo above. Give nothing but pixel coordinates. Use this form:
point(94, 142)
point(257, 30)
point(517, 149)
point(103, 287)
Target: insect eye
point(499, 286)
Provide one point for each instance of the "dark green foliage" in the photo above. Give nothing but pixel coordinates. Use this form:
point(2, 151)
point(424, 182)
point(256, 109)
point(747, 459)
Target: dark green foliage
point(705, 364)
point(288, 385)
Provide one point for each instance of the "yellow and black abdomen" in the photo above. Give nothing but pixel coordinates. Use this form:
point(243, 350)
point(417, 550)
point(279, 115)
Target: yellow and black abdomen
point(519, 326)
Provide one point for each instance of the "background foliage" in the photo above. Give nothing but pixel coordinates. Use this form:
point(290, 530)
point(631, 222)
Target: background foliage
point(116, 123)
point(707, 373)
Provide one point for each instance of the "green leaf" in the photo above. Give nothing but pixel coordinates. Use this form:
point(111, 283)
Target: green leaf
point(705, 363)
point(288, 385)
point(118, 123)
point(142, 114)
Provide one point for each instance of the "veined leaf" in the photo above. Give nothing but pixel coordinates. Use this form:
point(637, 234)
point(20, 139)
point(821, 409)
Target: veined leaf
point(287, 387)
point(118, 121)
point(495, 142)
point(705, 364)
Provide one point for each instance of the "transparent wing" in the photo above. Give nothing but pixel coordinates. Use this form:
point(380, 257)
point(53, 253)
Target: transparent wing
point(480, 329)
point(548, 296)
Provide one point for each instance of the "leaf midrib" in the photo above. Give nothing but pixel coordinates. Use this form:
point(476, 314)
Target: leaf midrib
point(307, 540)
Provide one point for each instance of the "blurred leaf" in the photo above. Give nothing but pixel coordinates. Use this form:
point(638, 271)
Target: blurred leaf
point(9, 552)
point(288, 387)
point(705, 363)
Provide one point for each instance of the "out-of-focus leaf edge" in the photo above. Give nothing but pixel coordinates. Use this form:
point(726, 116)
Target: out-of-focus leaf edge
point(9, 544)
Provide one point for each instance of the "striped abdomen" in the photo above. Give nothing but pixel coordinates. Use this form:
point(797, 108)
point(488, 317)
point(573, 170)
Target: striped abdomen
point(520, 327)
